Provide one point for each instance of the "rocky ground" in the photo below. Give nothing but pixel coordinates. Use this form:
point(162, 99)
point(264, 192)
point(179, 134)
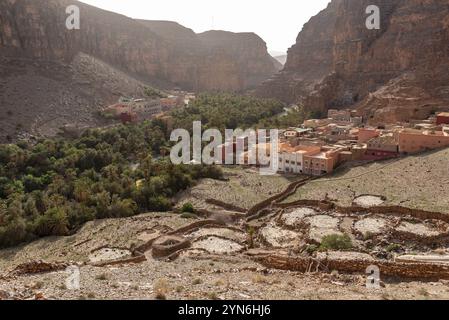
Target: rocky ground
point(244, 188)
point(52, 95)
point(419, 181)
point(225, 259)
point(212, 278)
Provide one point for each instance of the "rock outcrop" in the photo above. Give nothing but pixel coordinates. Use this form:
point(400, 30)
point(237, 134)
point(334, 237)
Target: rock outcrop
point(163, 53)
point(51, 76)
point(392, 74)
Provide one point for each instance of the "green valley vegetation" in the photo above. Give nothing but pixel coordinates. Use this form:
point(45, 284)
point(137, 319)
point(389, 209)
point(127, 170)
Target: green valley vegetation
point(227, 111)
point(154, 93)
point(56, 185)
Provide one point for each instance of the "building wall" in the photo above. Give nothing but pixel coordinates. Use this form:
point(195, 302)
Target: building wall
point(365, 135)
point(317, 165)
point(411, 142)
point(442, 120)
point(291, 162)
point(379, 146)
point(291, 159)
point(372, 154)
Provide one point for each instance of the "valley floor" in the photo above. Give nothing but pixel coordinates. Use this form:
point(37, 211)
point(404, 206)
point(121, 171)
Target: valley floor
point(201, 273)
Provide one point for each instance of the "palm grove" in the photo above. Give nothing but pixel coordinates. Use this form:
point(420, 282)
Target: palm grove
point(54, 186)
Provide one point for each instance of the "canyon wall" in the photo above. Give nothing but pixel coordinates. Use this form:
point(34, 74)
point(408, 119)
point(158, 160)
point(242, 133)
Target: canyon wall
point(162, 53)
point(393, 74)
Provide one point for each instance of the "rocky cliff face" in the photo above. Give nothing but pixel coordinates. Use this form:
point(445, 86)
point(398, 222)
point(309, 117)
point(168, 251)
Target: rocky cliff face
point(51, 77)
point(392, 74)
point(159, 52)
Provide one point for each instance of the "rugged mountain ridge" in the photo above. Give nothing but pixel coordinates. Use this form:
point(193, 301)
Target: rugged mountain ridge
point(392, 74)
point(50, 76)
point(36, 29)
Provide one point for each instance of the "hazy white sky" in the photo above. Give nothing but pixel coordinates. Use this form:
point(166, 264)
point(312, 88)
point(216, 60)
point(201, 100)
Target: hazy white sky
point(276, 21)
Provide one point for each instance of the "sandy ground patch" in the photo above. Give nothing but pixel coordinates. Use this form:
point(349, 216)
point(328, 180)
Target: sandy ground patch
point(368, 201)
point(418, 229)
point(371, 225)
point(278, 237)
point(217, 245)
point(296, 216)
point(220, 232)
point(321, 226)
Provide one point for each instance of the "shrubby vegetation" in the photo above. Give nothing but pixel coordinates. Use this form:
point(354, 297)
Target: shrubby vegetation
point(56, 185)
point(154, 93)
point(336, 242)
point(226, 111)
point(291, 118)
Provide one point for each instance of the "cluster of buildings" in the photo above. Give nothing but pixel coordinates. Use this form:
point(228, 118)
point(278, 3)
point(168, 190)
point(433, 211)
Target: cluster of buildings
point(319, 146)
point(131, 110)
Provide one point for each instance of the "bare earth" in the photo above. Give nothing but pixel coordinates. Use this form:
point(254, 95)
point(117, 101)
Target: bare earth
point(219, 263)
point(420, 182)
point(206, 276)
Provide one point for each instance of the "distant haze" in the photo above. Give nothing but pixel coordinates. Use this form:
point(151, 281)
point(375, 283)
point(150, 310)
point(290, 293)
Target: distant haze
point(277, 22)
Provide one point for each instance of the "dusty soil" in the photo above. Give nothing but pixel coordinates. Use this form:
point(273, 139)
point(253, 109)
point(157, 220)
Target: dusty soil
point(199, 276)
point(420, 182)
point(245, 188)
point(221, 261)
point(214, 278)
point(39, 97)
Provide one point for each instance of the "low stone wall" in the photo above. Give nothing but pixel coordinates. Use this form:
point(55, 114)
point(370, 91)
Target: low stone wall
point(402, 236)
point(225, 205)
point(387, 268)
point(34, 267)
point(137, 259)
point(193, 226)
point(291, 189)
point(385, 210)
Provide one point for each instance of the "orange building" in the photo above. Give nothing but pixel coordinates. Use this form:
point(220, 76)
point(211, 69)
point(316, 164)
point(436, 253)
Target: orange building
point(365, 134)
point(291, 159)
point(321, 163)
point(414, 141)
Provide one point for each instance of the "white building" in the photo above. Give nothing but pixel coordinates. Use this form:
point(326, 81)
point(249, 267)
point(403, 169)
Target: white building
point(291, 159)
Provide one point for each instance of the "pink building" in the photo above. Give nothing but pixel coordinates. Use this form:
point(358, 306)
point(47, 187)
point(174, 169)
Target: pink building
point(366, 134)
point(413, 141)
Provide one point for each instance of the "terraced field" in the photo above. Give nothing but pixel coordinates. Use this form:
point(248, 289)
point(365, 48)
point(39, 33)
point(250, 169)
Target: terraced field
point(245, 188)
point(420, 182)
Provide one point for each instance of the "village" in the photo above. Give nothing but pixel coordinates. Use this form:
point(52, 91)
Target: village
point(319, 146)
point(133, 110)
point(315, 148)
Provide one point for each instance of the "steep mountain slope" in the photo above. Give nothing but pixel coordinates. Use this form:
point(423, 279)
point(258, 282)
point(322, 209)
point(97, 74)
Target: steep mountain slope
point(395, 73)
point(38, 97)
point(36, 28)
point(216, 60)
point(282, 59)
point(49, 72)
